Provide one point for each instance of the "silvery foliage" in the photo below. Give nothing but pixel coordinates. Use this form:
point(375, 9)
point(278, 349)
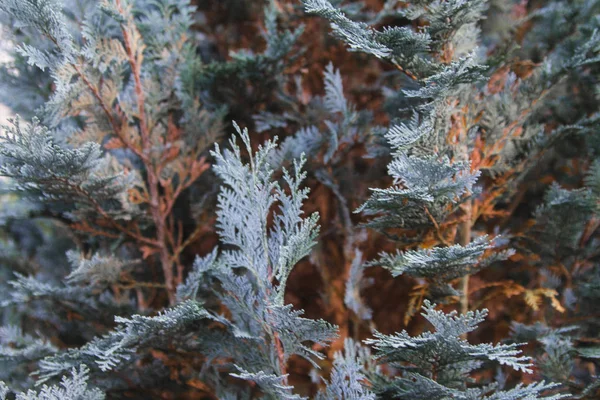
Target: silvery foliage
point(94, 99)
point(406, 47)
point(74, 387)
point(348, 374)
point(440, 265)
point(84, 300)
point(360, 37)
point(244, 207)
point(437, 364)
point(60, 175)
point(98, 270)
point(433, 365)
point(119, 346)
point(416, 169)
point(427, 184)
point(272, 384)
point(254, 265)
point(421, 183)
point(25, 87)
point(337, 123)
point(18, 348)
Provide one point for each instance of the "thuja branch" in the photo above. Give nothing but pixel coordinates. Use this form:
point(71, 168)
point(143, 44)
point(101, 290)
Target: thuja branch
point(116, 128)
point(98, 207)
point(158, 214)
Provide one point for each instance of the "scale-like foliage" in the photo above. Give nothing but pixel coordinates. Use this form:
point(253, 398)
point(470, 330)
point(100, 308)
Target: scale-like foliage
point(436, 365)
point(483, 104)
point(111, 350)
point(28, 290)
point(347, 377)
point(340, 125)
point(440, 265)
point(71, 388)
point(421, 183)
point(82, 176)
point(426, 181)
point(272, 384)
point(244, 207)
point(263, 332)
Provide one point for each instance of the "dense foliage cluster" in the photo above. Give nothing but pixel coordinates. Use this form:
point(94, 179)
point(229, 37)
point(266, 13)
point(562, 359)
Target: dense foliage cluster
point(285, 199)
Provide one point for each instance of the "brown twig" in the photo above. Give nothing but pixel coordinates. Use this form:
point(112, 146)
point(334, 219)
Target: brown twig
point(100, 210)
point(158, 214)
point(116, 128)
point(437, 227)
